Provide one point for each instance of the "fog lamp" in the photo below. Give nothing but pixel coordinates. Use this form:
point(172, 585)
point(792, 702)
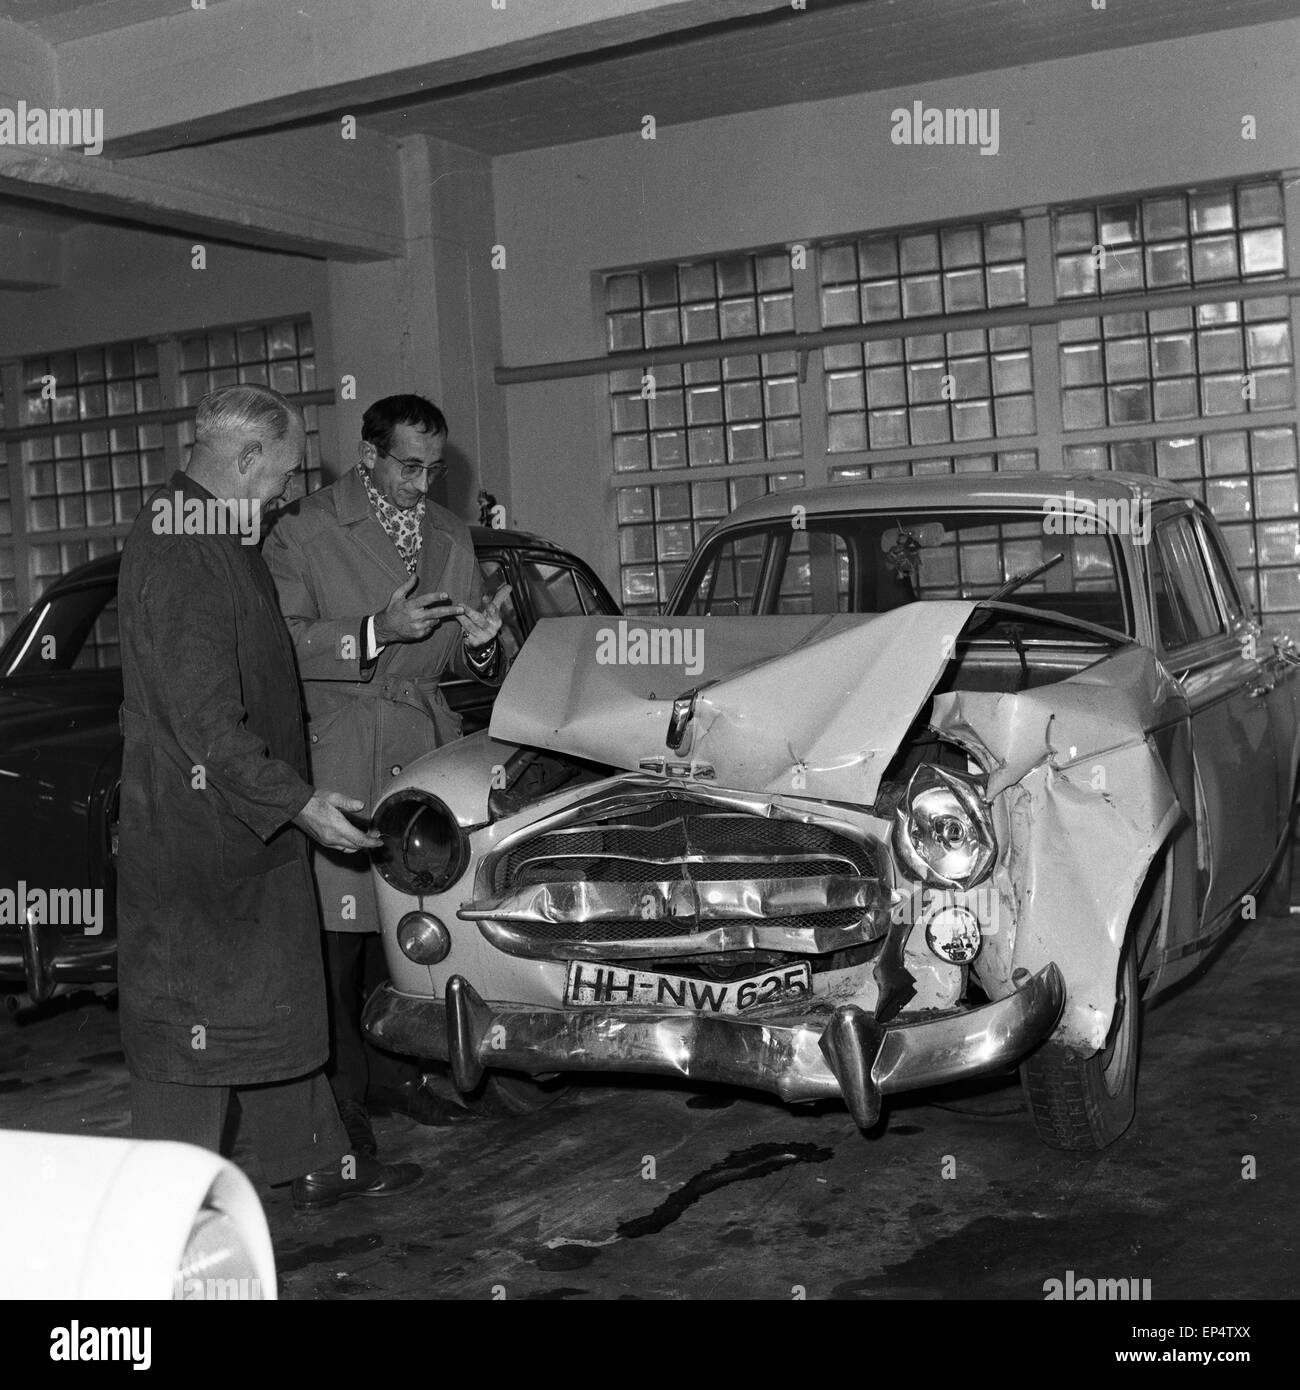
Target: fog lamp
point(953, 934)
point(942, 830)
point(423, 938)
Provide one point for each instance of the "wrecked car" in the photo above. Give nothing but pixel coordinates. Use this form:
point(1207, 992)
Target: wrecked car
point(915, 782)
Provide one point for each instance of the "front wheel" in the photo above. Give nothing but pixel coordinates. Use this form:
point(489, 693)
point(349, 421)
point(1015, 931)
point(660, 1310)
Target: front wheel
point(509, 1094)
point(1088, 1103)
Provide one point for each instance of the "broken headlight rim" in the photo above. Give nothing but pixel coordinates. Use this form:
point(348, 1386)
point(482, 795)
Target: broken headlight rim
point(942, 831)
point(424, 850)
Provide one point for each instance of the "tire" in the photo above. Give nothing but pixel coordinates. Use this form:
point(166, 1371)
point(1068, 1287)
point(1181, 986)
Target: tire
point(506, 1095)
point(1087, 1103)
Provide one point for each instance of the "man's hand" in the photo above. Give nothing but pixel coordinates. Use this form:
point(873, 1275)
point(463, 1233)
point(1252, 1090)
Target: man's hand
point(408, 619)
point(482, 626)
point(323, 819)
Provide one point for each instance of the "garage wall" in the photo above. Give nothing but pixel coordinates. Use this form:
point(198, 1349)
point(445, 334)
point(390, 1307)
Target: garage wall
point(120, 283)
point(1156, 116)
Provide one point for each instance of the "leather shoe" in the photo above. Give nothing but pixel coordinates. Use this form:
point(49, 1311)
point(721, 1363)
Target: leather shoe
point(370, 1178)
point(357, 1123)
point(420, 1102)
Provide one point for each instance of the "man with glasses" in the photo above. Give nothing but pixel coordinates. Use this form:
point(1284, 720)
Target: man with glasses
point(383, 597)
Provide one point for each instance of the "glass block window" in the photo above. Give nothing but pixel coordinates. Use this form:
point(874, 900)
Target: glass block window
point(94, 474)
point(90, 384)
point(931, 389)
point(1176, 364)
point(1170, 240)
point(50, 560)
point(1013, 461)
point(659, 525)
point(915, 274)
point(279, 355)
point(735, 409)
point(91, 478)
point(1250, 480)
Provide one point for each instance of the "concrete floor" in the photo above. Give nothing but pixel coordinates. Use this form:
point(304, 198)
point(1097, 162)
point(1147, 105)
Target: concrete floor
point(647, 1190)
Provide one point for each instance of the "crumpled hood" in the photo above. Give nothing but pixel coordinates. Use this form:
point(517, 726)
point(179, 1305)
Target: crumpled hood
point(814, 705)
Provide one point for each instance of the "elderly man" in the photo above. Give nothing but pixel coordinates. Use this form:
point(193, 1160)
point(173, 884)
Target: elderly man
point(382, 595)
point(221, 984)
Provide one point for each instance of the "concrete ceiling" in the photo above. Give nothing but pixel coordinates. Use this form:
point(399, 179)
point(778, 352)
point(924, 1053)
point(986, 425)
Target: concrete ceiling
point(189, 93)
point(834, 48)
point(56, 21)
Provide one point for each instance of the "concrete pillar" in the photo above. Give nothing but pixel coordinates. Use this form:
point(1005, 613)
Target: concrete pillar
point(430, 322)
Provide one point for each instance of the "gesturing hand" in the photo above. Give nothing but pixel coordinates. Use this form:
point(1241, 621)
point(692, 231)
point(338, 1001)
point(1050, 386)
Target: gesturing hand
point(323, 819)
point(482, 625)
point(408, 619)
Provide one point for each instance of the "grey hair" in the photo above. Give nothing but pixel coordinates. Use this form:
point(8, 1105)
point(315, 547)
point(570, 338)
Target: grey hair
point(243, 410)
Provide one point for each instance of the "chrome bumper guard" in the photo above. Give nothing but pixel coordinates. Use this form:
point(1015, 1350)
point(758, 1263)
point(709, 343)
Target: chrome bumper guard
point(43, 958)
point(847, 1054)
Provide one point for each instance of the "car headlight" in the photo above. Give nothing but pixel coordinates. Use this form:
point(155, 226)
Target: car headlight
point(942, 830)
point(424, 849)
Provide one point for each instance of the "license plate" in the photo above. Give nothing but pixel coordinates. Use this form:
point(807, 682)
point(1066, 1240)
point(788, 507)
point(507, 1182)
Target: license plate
point(589, 985)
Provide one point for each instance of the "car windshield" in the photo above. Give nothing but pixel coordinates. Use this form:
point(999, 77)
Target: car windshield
point(72, 631)
point(876, 561)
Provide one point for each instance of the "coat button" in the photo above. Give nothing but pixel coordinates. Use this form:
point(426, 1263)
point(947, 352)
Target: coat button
point(396, 768)
point(315, 738)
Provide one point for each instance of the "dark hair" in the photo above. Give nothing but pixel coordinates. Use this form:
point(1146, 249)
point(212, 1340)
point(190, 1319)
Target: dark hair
point(384, 416)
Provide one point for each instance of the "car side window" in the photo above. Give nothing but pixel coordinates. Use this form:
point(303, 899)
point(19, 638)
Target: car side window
point(590, 600)
point(815, 576)
point(1224, 572)
point(1186, 611)
point(74, 631)
point(554, 590)
point(494, 576)
point(729, 585)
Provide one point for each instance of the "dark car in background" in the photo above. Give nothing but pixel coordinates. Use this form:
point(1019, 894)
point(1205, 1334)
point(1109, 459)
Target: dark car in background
point(61, 749)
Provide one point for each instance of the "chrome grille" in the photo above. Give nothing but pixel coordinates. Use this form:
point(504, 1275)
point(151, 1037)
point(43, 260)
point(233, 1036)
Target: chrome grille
point(674, 837)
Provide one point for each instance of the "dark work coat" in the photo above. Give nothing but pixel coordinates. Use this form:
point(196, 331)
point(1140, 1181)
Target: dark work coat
point(334, 565)
point(220, 974)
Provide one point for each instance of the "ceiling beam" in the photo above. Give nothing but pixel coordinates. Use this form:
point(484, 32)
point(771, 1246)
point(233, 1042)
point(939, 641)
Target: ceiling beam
point(244, 65)
point(30, 259)
point(304, 191)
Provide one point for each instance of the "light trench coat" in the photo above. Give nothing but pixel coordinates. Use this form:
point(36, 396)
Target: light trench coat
point(334, 566)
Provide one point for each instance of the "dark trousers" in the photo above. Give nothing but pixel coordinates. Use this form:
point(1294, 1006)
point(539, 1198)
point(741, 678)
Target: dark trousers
point(354, 967)
point(294, 1125)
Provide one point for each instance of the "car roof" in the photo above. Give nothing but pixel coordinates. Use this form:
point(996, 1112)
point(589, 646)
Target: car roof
point(957, 491)
point(484, 537)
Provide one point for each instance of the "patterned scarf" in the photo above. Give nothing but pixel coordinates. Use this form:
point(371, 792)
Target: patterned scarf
point(403, 527)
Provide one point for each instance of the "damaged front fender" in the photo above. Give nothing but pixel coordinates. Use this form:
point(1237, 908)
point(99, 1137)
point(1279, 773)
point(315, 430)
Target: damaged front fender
point(1083, 803)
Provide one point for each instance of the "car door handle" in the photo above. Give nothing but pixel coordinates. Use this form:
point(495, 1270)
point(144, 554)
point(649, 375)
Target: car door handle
point(1257, 692)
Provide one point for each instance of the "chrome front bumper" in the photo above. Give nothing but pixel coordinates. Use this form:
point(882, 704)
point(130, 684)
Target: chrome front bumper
point(844, 1053)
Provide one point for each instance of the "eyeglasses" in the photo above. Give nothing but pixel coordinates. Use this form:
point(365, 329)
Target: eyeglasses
point(413, 468)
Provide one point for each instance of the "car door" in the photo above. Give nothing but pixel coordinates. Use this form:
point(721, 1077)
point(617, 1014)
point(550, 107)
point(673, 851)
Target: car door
point(1278, 686)
point(1202, 646)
